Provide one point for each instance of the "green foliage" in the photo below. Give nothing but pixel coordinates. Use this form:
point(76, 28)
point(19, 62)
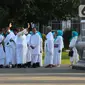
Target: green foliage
point(43, 37)
point(65, 58)
point(3, 17)
point(23, 11)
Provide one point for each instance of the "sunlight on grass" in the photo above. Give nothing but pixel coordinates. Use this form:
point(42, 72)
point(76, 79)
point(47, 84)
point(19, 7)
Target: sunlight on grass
point(65, 58)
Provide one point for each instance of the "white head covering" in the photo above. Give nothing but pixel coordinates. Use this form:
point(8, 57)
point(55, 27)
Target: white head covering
point(50, 36)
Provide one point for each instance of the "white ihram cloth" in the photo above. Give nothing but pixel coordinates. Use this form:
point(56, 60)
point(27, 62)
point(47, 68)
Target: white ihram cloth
point(72, 44)
point(21, 48)
point(9, 49)
point(35, 42)
point(28, 57)
point(58, 46)
point(2, 53)
point(49, 48)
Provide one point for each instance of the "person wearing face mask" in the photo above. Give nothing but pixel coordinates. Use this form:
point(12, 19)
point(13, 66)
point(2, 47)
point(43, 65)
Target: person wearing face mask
point(58, 46)
point(74, 57)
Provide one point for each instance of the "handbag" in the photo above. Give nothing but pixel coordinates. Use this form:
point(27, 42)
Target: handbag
point(70, 53)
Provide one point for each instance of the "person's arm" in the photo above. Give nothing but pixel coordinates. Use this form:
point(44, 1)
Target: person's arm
point(73, 42)
point(22, 32)
point(60, 44)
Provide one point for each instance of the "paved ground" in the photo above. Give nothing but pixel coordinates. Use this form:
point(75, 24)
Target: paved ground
point(42, 76)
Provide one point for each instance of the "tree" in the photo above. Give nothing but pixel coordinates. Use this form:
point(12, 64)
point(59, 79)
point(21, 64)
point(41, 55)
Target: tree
point(23, 11)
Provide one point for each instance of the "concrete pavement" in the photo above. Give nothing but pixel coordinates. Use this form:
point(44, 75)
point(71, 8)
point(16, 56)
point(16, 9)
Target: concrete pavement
point(42, 76)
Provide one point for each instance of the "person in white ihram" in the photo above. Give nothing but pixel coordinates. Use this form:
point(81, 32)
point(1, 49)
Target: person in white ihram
point(49, 48)
point(74, 57)
point(9, 47)
point(35, 46)
point(21, 48)
point(58, 46)
point(28, 57)
point(2, 53)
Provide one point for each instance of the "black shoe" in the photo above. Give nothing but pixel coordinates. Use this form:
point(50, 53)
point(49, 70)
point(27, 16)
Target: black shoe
point(6, 66)
point(37, 64)
point(13, 66)
point(19, 65)
point(34, 65)
point(1, 66)
point(24, 65)
point(28, 64)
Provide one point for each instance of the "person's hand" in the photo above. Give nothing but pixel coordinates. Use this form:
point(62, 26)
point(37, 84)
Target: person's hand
point(59, 51)
point(32, 47)
point(40, 51)
point(7, 43)
point(11, 40)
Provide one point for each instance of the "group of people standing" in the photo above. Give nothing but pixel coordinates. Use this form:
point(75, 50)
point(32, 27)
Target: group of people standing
point(22, 48)
point(54, 45)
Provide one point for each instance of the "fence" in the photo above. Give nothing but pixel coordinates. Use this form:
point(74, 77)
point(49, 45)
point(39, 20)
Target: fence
point(55, 26)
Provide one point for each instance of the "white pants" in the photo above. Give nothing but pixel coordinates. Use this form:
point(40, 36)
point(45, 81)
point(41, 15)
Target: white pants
point(48, 59)
point(2, 55)
point(9, 54)
point(34, 58)
point(2, 61)
point(40, 59)
point(21, 52)
point(57, 57)
point(13, 53)
point(28, 57)
point(75, 57)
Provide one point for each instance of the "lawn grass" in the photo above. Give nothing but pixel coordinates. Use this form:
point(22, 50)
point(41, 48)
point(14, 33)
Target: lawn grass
point(65, 58)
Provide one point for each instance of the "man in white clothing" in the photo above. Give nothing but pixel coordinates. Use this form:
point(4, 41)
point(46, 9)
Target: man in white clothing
point(39, 61)
point(9, 47)
point(2, 53)
point(49, 44)
point(35, 46)
point(28, 57)
point(21, 48)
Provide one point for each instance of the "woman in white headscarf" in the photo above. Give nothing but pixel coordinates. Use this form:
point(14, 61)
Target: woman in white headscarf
point(74, 57)
point(58, 46)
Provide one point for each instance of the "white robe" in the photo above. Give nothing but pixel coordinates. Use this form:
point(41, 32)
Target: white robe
point(2, 53)
point(13, 45)
point(72, 44)
point(21, 48)
point(41, 51)
point(35, 42)
point(9, 48)
point(58, 45)
point(49, 46)
point(28, 58)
